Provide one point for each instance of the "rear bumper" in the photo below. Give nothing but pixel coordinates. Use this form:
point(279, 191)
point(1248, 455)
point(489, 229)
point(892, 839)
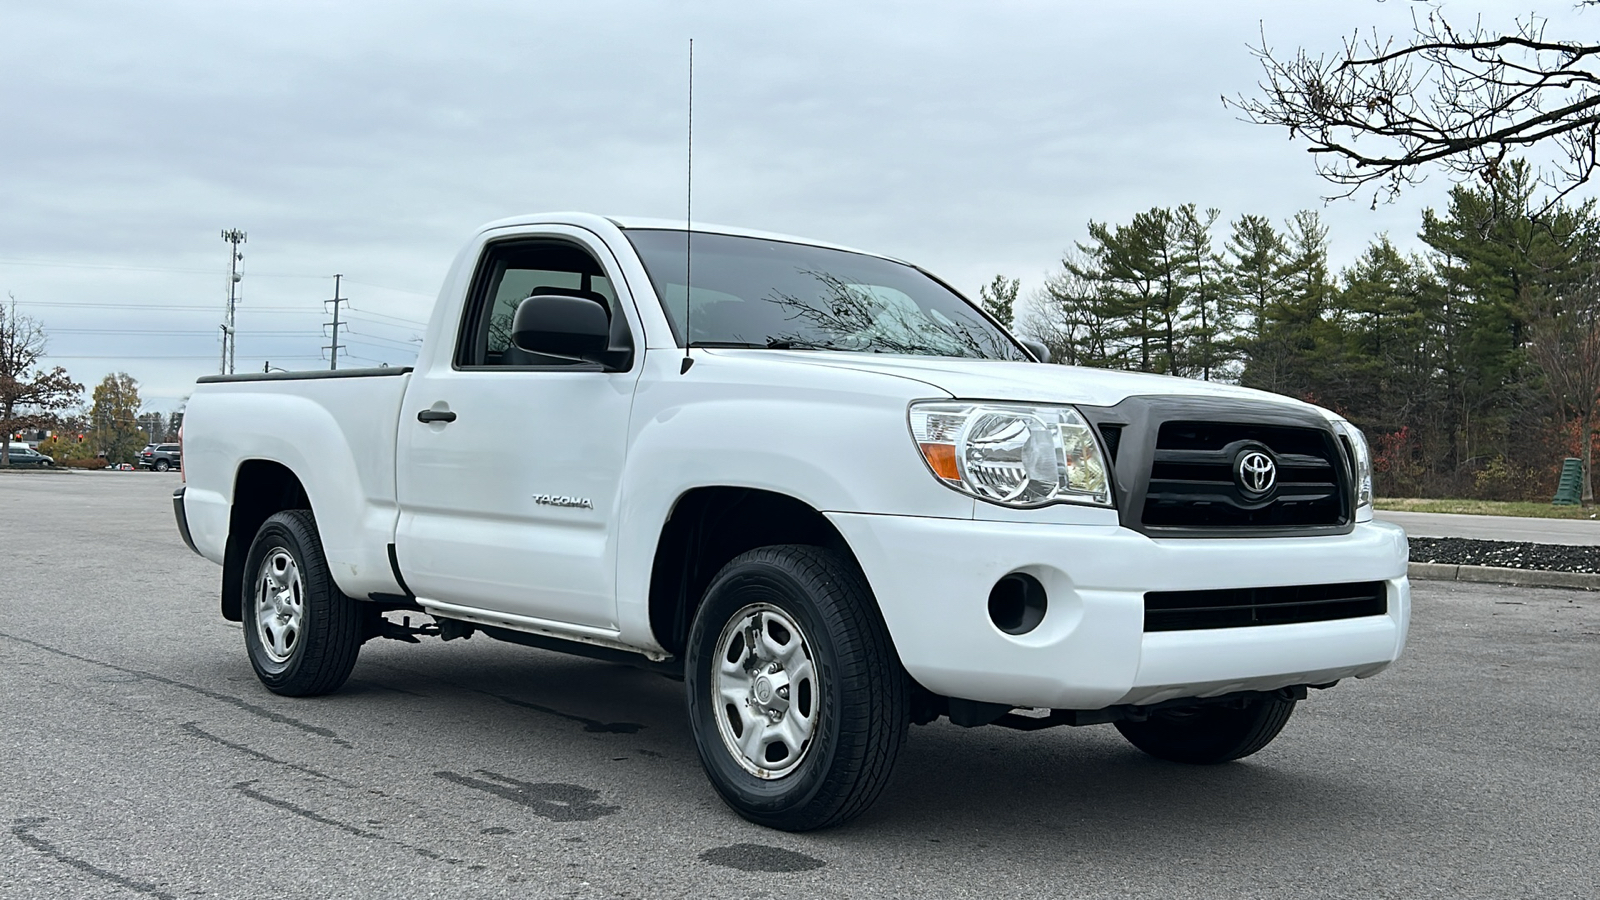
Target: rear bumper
point(182, 516)
point(932, 579)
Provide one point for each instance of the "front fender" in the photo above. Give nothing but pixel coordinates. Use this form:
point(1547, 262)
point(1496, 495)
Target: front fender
point(834, 439)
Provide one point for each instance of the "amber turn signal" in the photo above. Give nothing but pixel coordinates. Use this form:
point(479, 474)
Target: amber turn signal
point(942, 459)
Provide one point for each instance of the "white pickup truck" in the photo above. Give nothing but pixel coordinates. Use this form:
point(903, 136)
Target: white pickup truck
point(820, 486)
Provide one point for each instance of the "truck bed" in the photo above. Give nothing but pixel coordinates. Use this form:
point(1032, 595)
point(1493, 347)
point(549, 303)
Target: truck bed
point(335, 430)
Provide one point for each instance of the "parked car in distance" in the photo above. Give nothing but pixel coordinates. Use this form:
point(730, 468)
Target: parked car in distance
point(160, 457)
point(25, 457)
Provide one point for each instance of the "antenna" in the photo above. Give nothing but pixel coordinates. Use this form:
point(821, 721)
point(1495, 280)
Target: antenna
point(688, 227)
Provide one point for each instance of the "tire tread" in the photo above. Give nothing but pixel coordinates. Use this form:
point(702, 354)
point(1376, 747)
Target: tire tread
point(333, 639)
point(864, 763)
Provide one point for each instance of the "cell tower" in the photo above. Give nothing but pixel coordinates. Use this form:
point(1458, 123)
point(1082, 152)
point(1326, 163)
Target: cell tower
point(234, 237)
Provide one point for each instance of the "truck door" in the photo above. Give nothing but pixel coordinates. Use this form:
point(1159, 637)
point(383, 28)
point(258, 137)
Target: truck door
point(508, 463)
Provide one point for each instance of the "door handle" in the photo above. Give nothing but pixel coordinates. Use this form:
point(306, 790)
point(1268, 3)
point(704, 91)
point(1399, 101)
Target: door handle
point(436, 415)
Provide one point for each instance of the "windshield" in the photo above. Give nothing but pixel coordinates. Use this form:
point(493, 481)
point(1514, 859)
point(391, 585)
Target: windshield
point(752, 292)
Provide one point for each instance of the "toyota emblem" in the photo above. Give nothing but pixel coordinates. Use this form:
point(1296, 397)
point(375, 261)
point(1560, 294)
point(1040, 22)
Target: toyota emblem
point(1255, 472)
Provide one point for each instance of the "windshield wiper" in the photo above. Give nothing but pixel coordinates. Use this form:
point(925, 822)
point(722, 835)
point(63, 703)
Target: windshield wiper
point(774, 344)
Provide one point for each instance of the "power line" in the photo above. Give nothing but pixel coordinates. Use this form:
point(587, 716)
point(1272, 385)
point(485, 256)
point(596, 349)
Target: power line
point(173, 333)
point(54, 356)
point(141, 307)
point(383, 287)
point(365, 312)
point(377, 346)
point(378, 337)
point(57, 264)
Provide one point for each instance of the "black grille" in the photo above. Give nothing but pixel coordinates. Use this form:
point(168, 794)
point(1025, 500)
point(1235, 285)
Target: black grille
point(1111, 436)
point(1193, 483)
point(1245, 607)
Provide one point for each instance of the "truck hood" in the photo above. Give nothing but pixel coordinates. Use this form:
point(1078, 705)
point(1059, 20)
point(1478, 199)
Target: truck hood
point(984, 379)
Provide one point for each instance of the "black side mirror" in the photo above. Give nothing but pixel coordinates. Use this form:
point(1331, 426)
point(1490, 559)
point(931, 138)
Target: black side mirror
point(1040, 351)
point(567, 325)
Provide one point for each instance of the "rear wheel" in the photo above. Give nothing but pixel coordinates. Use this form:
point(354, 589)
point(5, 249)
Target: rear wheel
point(1210, 734)
point(162, 465)
point(797, 700)
point(301, 631)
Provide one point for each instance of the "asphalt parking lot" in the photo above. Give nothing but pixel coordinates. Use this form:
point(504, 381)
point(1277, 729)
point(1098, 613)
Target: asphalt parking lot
point(142, 759)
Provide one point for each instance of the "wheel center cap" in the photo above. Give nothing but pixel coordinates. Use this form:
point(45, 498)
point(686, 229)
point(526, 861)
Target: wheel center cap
point(763, 690)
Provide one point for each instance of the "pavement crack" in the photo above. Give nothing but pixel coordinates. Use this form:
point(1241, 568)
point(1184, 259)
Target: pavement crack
point(592, 725)
point(22, 829)
point(196, 731)
point(229, 699)
point(554, 801)
point(244, 787)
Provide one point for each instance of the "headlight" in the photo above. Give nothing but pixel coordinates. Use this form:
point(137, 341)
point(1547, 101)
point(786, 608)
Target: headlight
point(1012, 454)
point(1363, 462)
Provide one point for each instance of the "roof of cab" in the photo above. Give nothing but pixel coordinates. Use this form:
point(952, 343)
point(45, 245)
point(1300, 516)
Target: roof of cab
point(639, 222)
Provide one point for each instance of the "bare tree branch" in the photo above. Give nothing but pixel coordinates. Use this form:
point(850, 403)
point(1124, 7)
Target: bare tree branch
point(1376, 114)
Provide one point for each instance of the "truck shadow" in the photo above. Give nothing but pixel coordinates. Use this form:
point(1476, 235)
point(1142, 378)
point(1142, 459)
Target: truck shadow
point(1082, 786)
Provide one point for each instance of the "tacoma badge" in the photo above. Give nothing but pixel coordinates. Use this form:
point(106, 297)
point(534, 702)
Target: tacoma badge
point(570, 502)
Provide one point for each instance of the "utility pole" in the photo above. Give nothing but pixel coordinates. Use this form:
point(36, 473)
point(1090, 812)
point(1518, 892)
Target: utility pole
point(234, 237)
point(334, 346)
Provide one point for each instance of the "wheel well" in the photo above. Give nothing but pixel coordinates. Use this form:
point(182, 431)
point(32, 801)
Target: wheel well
point(260, 489)
point(711, 525)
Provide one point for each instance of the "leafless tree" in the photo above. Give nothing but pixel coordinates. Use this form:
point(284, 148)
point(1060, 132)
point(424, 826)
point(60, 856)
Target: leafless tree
point(1467, 99)
point(1067, 316)
point(29, 396)
point(1564, 342)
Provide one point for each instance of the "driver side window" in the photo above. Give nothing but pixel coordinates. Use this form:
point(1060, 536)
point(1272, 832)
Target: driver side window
point(509, 273)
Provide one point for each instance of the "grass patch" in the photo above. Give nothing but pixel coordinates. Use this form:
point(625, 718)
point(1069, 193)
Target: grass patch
point(1522, 508)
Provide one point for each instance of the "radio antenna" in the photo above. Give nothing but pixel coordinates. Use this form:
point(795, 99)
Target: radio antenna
point(688, 227)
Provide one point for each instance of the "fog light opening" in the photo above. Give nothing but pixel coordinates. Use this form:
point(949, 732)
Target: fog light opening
point(1017, 603)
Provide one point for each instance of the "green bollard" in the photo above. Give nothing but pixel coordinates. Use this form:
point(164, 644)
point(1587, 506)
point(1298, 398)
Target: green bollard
point(1570, 491)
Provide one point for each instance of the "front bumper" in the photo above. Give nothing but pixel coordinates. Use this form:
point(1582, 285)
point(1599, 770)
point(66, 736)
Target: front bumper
point(932, 579)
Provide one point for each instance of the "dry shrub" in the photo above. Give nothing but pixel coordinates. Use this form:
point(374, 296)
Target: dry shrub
point(91, 463)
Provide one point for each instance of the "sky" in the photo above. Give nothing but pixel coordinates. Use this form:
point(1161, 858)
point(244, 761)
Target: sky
point(371, 139)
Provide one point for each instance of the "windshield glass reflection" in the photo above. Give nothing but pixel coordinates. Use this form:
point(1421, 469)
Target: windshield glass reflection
point(752, 292)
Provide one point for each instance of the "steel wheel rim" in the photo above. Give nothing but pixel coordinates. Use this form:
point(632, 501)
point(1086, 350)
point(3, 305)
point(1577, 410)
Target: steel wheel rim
point(764, 690)
point(280, 605)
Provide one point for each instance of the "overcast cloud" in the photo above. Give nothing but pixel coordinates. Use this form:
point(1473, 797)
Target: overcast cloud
point(370, 139)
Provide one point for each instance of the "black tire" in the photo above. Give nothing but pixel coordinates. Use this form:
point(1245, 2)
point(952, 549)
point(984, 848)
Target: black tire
point(162, 465)
point(862, 695)
point(327, 636)
point(1206, 735)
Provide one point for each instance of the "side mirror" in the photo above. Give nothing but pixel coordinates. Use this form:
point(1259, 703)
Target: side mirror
point(564, 325)
point(1037, 349)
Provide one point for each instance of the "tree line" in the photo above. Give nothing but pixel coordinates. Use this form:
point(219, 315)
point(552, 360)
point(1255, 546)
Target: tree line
point(1473, 366)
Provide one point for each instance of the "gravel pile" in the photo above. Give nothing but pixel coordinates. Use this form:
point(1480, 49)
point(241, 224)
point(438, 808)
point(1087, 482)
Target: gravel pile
point(1506, 554)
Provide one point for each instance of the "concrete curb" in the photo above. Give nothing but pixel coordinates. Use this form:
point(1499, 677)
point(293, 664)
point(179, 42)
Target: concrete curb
point(1583, 581)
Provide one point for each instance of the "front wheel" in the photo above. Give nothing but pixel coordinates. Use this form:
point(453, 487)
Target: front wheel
point(1210, 734)
point(301, 631)
point(797, 700)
